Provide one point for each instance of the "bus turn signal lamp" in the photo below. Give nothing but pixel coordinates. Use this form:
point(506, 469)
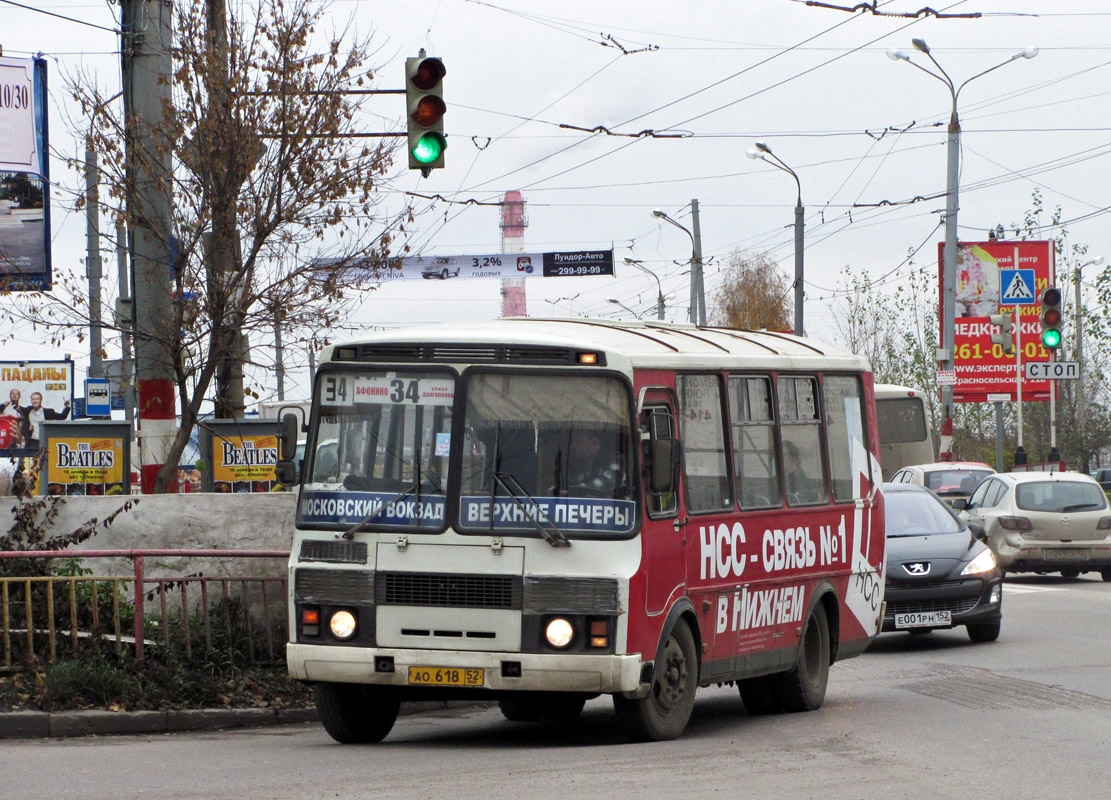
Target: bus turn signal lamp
point(424, 120)
point(1051, 318)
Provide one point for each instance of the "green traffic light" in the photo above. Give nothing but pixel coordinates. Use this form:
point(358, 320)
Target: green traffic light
point(1051, 338)
point(429, 148)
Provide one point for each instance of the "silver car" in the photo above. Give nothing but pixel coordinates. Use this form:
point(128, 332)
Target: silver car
point(1044, 522)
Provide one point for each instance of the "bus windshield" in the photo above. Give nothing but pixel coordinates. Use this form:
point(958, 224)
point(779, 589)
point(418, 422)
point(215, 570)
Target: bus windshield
point(554, 445)
point(381, 451)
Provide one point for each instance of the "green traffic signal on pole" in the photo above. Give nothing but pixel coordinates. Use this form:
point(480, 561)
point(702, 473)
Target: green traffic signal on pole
point(424, 120)
point(1050, 318)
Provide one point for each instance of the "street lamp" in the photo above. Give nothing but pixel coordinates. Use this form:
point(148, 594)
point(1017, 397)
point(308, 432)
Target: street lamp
point(1081, 404)
point(949, 256)
point(764, 153)
point(617, 302)
point(659, 288)
point(698, 292)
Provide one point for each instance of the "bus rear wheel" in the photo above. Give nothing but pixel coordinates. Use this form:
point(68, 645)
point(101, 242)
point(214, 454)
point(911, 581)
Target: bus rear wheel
point(760, 695)
point(663, 714)
point(804, 687)
point(356, 714)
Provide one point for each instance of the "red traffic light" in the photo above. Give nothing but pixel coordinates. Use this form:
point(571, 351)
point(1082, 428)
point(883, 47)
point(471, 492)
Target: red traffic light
point(430, 72)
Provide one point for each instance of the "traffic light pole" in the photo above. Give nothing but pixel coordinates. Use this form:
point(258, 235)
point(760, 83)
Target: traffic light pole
point(1020, 453)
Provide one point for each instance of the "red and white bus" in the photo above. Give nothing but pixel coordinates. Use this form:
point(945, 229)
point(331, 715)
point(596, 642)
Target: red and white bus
point(542, 511)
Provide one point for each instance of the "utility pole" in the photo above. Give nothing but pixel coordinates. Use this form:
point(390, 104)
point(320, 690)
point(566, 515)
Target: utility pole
point(147, 76)
point(92, 260)
point(279, 365)
point(223, 261)
point(698, 298)
point(127, 356)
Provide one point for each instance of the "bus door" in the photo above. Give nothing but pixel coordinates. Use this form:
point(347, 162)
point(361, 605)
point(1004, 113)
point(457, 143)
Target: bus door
point(664, 541)
point(717, 553)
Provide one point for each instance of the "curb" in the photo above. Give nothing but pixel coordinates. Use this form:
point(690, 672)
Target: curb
point(67, 724)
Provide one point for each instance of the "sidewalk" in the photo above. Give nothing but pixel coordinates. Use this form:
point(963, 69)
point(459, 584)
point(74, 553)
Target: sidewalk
point(66, 724)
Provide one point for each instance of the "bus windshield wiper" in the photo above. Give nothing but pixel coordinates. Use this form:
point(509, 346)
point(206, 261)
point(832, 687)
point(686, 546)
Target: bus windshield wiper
point(358, 526)
point(554, 536)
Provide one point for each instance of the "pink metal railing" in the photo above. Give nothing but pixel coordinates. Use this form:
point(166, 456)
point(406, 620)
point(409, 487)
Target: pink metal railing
point(161, 587)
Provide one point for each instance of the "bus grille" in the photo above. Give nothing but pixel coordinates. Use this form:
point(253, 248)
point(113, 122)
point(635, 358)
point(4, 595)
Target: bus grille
point(545, 595)
point(338, 552)
point(334, 586)
point(448, 591)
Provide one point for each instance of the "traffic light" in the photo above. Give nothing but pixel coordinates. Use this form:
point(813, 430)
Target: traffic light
point(424, 89)
point(1002, 337)
point(1051, 318)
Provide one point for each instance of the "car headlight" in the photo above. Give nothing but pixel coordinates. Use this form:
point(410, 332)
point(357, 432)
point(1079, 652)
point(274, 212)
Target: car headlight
point(342, 624)
point(559, 632)
point(985, 562)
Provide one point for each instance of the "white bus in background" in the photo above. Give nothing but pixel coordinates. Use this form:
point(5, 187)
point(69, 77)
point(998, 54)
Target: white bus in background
point(905, 436)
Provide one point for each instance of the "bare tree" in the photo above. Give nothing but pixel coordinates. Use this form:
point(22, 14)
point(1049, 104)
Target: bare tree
point(266, 176)
point(753, 296)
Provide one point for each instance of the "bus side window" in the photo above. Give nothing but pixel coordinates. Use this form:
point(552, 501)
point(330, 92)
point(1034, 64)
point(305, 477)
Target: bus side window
point(755, 464)
point(660, 425)
point(844, 425)
point(804, 477)
point(705, 470)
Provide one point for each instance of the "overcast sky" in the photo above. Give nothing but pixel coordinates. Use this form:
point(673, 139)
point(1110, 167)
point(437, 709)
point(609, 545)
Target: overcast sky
point(865, 134)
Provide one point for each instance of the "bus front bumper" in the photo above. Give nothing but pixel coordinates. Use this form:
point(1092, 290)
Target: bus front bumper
point(500, 671)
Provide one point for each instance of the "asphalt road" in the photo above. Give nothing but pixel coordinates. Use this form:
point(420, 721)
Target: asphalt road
point(932, 717)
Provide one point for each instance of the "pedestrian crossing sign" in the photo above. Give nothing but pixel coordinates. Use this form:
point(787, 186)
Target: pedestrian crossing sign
point(1017, 287)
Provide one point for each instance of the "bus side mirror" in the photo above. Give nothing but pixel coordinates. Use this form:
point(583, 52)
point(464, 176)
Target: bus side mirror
point(665, 458)
point(286, 469)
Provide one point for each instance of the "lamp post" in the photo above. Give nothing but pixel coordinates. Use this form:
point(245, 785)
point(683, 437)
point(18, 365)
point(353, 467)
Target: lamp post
point(764, 153)
point(617, 302)
point(698, 292)
point(949, 257)
point(1081, 401)
point(659, 287)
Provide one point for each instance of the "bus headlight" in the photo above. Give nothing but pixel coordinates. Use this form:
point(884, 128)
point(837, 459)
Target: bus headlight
point(342, 624)
point(559, 632)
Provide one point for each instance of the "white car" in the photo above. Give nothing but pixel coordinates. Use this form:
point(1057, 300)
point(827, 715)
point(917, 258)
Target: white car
point(950, 480)
point(1044, 522)
point(439, 267)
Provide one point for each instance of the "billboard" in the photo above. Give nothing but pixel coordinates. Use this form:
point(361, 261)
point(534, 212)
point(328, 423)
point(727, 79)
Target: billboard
point(85, 462)
point(243, 456)
point(567, 264)
point(24, 176)
point(998, 277)
point(31, 393)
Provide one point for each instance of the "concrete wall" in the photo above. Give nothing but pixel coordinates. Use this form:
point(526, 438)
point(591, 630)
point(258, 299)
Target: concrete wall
point(262, 521)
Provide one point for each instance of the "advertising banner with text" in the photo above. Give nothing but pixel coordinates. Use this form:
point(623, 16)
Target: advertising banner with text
point(570, 264)
point(998, 277)
point(31, 393)
point(24, 176)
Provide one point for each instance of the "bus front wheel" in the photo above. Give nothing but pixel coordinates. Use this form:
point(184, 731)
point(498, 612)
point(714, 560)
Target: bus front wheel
point(356, 714)
point(663, 714)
